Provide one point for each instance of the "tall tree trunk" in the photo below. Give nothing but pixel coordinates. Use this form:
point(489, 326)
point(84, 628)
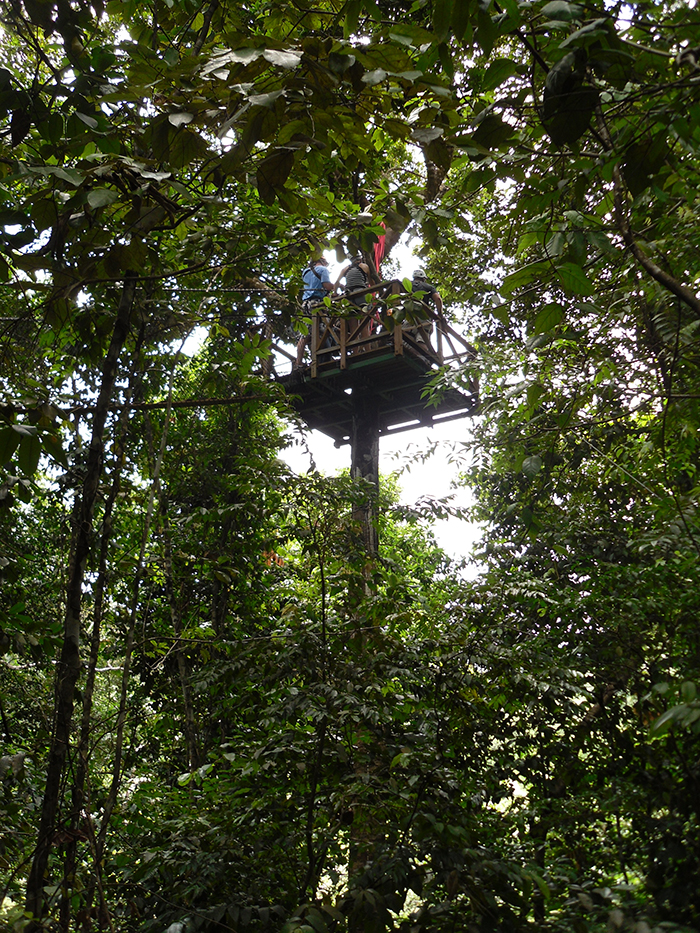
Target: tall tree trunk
point(365, 832)
point(80, 820)
point(193, 758)
point(68, 668)
point(365, 465)
point(128, 650)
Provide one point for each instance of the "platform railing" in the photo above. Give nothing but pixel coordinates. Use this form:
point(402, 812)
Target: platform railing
point(340, 336)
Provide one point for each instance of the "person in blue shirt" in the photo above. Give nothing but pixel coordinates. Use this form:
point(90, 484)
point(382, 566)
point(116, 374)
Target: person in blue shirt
point(317, 283)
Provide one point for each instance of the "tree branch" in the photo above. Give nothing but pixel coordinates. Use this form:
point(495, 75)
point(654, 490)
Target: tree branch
point(667, 281)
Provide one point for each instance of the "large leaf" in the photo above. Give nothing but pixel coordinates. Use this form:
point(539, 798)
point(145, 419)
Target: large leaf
point(499, 71)
point(574, 280)
point(9, 442)
point(283, 59)
point(567, 116)
point(525, 276)
point(532, 465)
point(492, 132)
point(562, 10)
point(273, 172)
point(29, 453)
point(186, 148)
point(101, 197)
point(548, 318)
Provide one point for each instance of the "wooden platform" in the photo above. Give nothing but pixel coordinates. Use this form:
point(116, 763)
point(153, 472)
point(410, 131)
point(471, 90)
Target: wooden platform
point(393, 367)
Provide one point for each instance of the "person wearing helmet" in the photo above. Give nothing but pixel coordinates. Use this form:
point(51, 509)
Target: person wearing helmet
point(425, 292)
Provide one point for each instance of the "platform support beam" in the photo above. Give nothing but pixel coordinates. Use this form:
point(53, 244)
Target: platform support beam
point(365, 464)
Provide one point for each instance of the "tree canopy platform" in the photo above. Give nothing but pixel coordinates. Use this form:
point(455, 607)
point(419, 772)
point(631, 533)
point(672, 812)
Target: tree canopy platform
point(389, 362)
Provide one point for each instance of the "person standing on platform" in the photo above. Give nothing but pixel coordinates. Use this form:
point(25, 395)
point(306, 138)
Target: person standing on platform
point(357, 277)
point(425, 292)
point(317, 284)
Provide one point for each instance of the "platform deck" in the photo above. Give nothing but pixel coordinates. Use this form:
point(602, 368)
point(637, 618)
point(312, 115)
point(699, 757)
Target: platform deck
point(398, 381)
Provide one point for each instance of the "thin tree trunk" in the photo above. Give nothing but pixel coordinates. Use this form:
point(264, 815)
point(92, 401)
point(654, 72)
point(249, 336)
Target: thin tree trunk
point(80, 821)
point(68, 668)
point(128, 651)
point(176, 617)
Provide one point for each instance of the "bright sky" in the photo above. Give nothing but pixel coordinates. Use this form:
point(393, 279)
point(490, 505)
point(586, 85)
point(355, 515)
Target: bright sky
point(420, 474)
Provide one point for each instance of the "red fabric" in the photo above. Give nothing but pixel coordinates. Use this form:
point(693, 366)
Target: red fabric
point(379, 249)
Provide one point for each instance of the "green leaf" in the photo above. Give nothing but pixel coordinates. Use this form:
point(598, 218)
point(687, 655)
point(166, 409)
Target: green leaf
point(101, 197)
point(541, 884)
point(180, 119)
point(29, 453)
point(486, 31)
point(11, 218)
point(442, 17)
point(273, 172)
point(52, 128)
point(525, 275)
point(462, 19)
point(688, 691)
point(186, 147)
point(372, 78)
point(567, 116)
point(665, 720)
point(9, 441)
point(574, 280)
point(87, 120)
point(590, 33)
point(353, 8)
point(264, 100)
point(234, 57)
point(534, 394)
point(548, 318)
point(426, 134)
point(43, 213)
point(171, 56)
point(339, 63)
point(531, 465)
point(53, 447)
point(492, 132)
point(499, 71)
point(642, 160)
point(561, 10)
point(283, 59)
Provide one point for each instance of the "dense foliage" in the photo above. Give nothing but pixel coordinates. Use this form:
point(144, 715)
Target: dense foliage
point(218, 711)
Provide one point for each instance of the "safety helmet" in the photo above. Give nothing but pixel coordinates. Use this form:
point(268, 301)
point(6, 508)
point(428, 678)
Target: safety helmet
point(419, 274)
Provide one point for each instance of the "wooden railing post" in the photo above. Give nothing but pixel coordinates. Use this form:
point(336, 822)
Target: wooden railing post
point(343, 342)
point(314, 345)
point(398, 338)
